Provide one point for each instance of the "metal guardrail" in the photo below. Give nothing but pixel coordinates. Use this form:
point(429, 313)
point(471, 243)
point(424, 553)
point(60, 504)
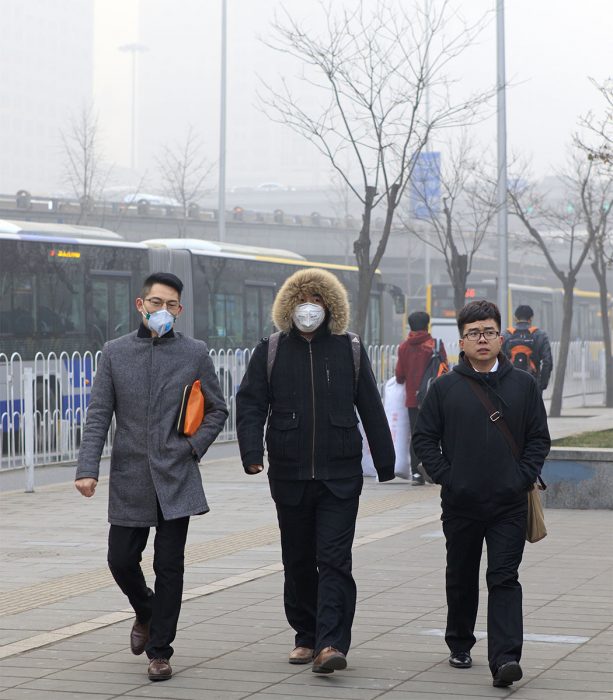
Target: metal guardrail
point(43, 403)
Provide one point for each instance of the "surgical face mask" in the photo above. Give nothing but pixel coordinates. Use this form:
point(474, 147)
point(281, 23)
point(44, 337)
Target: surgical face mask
point(160, 322)
point(308, 317)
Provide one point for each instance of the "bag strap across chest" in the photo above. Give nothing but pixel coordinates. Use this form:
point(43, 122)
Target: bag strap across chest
point(498, 420)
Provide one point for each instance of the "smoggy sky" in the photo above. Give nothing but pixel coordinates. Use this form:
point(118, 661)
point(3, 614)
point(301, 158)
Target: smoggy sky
point(553, 47)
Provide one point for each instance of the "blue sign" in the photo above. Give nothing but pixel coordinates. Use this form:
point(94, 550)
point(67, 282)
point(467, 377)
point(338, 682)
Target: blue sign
point(426, 185)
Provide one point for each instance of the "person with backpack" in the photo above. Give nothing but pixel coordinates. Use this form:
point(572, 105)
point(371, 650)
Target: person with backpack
point(304, 385)
point(421, 359)
point(482, 434)
point(527, 347)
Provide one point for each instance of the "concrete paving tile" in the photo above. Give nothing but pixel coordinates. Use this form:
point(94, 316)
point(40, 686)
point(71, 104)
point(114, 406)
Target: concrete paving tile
point(35, 694)
point(326, 687)
point(579, 686)
point(437, 695)
point(24, 672)
point(422, 688)
point(266, 677)
point(7, 681)
point(167, 690)
point(86, 675)
point(109, 687)
point(530, 693)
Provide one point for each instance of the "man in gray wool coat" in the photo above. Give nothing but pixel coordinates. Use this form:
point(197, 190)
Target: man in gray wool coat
point(154, 478)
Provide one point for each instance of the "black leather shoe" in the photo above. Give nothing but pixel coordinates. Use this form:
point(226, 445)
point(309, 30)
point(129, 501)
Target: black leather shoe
point(417, 479)
point(506, 674)
point(139, 636)
point(460, 659)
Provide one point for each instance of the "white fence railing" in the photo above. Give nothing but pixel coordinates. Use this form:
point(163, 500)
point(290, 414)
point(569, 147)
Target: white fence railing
point(43, 403)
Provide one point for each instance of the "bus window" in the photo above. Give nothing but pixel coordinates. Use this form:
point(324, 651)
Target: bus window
point(258, 303)
point(110, 309)
point(226, 319)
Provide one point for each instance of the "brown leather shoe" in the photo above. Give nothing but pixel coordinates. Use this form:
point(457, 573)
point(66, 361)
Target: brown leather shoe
point(301, 655)
point(159, 670)
point(139, 636)
point(329, 660)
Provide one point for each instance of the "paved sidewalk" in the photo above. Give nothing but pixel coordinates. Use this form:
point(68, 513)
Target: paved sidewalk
point(65, 625)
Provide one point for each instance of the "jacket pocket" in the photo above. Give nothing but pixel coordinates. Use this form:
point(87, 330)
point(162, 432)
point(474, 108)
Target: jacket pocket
point(282, 439)
point(345, 437)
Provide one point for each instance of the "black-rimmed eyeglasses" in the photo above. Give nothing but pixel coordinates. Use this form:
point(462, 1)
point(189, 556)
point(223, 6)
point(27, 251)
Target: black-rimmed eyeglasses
point(476, 335)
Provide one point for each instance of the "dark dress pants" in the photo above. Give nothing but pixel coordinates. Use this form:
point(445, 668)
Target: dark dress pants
point(505, 538)
point(126, 545)
point(317, 528)
point(413, 414)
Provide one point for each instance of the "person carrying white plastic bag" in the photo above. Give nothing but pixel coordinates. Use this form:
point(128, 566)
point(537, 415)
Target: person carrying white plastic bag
point(398, 419)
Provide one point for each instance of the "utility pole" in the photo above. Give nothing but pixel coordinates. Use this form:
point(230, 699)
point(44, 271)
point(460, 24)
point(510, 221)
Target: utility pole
point(221, 207)
point(503, 237)
point(133, 48)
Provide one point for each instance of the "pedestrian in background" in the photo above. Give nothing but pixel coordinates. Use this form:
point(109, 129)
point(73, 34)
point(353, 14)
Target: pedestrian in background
point(307, 391)
point(527, 346)
point(154, 479)
point(485, 488)
point(414, 355)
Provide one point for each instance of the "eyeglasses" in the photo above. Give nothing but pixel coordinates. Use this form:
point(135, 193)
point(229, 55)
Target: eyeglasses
point(171, 305)
point(474, 334)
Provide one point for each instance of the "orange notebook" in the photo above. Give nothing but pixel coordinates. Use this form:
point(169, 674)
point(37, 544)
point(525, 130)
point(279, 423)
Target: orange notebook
point(192, 409)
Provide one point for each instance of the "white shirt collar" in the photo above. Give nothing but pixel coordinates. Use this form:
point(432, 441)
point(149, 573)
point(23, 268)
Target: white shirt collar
point(494, 368)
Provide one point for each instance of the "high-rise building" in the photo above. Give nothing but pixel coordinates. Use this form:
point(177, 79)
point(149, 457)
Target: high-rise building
point(46, 80)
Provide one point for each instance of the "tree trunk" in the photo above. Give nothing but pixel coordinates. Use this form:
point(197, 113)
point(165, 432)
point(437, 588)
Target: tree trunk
point(600, 272)
point(361, 248)
point(555, 411)
point(460, 275)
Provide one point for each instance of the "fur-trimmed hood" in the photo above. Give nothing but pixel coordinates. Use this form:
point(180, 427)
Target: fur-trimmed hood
point(312, 281)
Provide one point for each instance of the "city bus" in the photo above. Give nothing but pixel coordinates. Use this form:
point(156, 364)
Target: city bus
point(65, 290)
point(546, 303)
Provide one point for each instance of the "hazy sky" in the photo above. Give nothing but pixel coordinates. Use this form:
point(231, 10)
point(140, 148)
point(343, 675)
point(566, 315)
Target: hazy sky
point(552, 48)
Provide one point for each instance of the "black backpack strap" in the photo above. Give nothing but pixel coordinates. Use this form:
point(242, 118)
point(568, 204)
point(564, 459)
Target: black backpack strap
point(356, 353)
point(273, 345)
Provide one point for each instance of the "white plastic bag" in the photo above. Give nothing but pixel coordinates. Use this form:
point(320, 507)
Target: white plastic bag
point(368, 466)
point(398, 419)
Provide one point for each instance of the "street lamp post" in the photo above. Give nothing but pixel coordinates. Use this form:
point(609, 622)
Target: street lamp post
point(503, 238)
point(133, 48)
point(221, 207)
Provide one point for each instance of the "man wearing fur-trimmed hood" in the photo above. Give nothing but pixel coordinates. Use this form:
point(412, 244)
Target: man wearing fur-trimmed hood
point(305, 383)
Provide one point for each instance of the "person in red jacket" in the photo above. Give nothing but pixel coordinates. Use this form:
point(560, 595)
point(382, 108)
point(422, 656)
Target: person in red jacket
point(413, 358)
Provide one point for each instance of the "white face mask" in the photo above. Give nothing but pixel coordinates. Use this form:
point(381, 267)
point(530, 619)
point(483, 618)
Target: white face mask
point(160, 322)
point(308, 317)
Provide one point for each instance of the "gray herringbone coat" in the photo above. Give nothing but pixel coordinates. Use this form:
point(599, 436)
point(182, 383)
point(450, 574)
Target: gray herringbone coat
point(141, 381)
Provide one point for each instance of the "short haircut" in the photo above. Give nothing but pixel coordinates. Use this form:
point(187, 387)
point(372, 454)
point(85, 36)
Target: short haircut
point(479, 310)
point(419, 321)
point(166, 278)
point(524, 312)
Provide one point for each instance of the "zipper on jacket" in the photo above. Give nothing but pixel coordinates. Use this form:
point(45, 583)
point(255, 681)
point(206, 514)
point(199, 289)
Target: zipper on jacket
point(327, 372)
point(313, 405)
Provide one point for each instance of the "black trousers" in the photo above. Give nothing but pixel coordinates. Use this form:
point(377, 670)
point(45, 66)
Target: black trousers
point(505, 538)
point(316, 538)
point(413, 414)
point(126, 545)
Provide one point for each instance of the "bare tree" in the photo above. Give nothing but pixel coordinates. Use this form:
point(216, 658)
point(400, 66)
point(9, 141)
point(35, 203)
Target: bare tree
point(597, 142)
point(596, 201)
point(372, 68)
point(548, 225)
point(456, 225)
point(84, 169)
point(184, 170)
point(597, 137)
